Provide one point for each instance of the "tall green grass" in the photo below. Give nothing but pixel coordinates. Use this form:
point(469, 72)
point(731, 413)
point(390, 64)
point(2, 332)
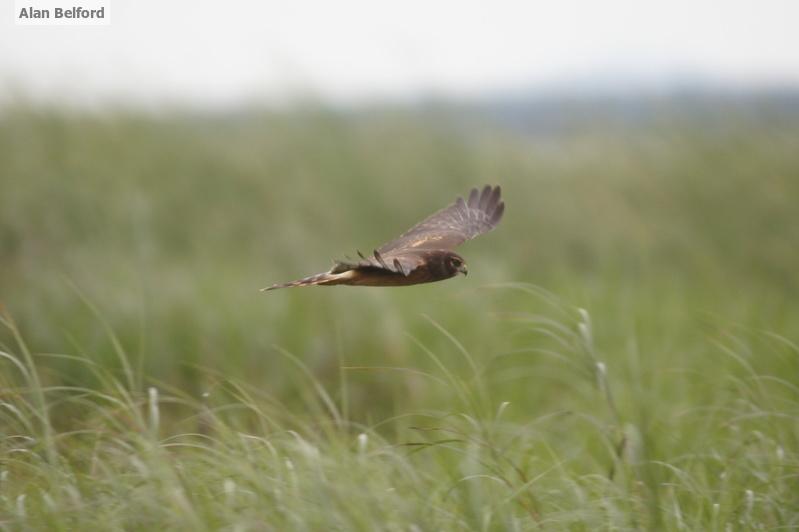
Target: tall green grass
point(146, 383)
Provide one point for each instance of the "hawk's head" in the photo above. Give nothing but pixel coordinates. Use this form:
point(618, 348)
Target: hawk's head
point(454, 264)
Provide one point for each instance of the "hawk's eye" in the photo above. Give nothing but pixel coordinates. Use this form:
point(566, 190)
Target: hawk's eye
point(456, 262)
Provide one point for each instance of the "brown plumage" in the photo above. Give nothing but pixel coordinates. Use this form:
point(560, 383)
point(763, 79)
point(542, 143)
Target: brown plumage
point(422, 254)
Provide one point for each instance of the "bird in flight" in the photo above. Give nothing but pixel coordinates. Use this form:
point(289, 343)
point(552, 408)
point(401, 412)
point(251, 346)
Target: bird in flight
point(422, 254)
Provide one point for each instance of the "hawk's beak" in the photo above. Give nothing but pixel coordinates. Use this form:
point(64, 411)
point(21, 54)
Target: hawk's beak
point(463, 269)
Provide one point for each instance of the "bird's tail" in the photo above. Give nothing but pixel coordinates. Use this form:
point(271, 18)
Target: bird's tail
point(325, 278)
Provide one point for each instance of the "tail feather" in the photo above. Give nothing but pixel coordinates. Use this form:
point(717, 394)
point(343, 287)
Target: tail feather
point(326, 278)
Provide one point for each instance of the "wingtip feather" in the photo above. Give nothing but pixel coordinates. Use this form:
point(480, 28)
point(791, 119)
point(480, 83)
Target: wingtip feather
point(496, 216)
point(493, 200)
point(473, 197)
point(485, 196)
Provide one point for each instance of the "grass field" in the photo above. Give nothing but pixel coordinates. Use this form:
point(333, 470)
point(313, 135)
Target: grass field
point(622, 355)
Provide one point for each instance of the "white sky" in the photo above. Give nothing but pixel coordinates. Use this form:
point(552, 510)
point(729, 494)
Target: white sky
point(218, 52)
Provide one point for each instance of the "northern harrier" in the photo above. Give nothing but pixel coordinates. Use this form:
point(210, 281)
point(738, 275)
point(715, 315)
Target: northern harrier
point(423, 254)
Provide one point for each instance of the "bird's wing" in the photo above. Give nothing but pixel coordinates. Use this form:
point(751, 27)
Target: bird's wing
point(451, 226)
point(403, 263)
point(363, 272)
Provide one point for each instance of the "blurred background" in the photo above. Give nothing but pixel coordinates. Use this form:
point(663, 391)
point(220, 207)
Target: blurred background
point(228, 54)
point(158, 171)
